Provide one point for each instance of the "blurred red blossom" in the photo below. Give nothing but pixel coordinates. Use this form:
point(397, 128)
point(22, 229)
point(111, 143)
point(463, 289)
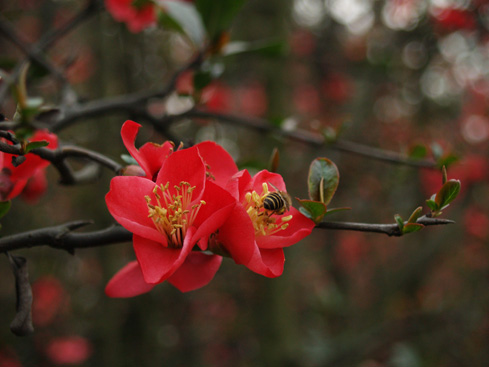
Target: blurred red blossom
point(476, 222)
point(29, 175)
point(452, 18)
point(8, 358)
point(49, 299)
point(69, 350)
point(136, 18)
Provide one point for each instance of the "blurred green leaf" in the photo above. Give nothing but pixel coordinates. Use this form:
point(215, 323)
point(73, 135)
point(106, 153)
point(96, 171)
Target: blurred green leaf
point(415, 214)
point(323, 180)
point(432, 205)
point(217, 15)
point(202, 79)
point(411, 227)
point(418, 151)
point(335, 210)
point(35, 145)
point(183, 17)
point(262, 48)
point(399, 221)
point(447, 193)
point(314, 210)
point(447, 160)
point(129, 159)
point(4, 207)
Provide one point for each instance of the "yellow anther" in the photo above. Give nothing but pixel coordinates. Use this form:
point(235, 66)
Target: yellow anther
point(265, 188)
point(287, 218)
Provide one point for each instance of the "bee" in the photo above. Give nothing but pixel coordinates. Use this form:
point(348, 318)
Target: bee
point(277, 202)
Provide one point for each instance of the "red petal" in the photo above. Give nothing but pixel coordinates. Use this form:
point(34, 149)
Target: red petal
point(238, 236)
point(126, 203)
point(151, 156)
point(299, 227)
point(267, 262)
point(128, 282)
point(239, 184)
point(36, 186)
point(269, 178)
point(158, 262)
point(32, 162)
point(184, 166)
point(220, 164)
point(196, 272)
point(218, 206)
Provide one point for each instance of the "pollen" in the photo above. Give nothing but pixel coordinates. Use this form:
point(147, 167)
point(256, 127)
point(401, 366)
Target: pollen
point(173, 212)
point(266, 223)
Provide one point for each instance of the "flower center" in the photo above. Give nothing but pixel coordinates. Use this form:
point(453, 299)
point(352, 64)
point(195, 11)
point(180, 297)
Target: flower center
point(266, 222)
point(173, 214)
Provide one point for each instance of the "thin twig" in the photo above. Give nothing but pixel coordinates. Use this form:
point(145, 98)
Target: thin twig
point(303, 136)
point(388, 229)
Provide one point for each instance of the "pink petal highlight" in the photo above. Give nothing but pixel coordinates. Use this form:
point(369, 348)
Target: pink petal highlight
point(197, 271)
point(128, 282)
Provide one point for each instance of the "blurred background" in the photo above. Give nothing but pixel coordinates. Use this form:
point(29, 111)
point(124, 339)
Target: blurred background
point(408, 76)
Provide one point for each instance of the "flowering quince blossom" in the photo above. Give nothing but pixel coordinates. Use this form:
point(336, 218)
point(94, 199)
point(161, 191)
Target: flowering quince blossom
point(195, 199)
point(168, 217)
point(28, 178)
point(137, 15)
point(251, 226)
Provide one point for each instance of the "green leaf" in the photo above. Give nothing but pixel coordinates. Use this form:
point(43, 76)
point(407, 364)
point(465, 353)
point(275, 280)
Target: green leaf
point(323, 180)
point(263, 48)
point(399, 221)
point(217, 15)
point(129, 159)
point(418, 151)
point(411, 227)
point(415, 214)
point(202, 79)
point(432, 205)
point(446, 160)
point(447, 193)
point(312, 209)
point(4, 208)
point(35, 145)
point(183, 16)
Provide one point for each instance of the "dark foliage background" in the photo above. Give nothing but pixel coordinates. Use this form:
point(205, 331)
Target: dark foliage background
point(406, 76)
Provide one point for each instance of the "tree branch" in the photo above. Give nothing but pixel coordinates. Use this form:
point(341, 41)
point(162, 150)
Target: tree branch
point(62, 237)
point(303, 136)
point(388, 229)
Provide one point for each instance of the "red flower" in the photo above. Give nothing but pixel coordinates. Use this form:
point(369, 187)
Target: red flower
point(27, 178)
point(254, 236)
point(69, 350)
point(168, 218)
point(136, 18)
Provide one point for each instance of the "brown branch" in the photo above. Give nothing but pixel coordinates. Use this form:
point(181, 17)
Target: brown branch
point(388, 229)
point(303, 136)
point(62, 237)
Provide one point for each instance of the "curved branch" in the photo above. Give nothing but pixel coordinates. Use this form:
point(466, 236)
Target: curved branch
point(304, 136)
point(388, 229)
point(62, 237)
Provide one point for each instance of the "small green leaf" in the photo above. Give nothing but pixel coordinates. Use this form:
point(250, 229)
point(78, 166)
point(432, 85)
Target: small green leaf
point(415, 214)
point(399, 221)
point(432, 205)
point(446, 160)
point(323, 180)
point(262, 48)
point(4, 208)
point(418, 151)
point(314, 210)
point(411, 227)
point(35, 145)
point(447, 193)
point(202, 79)
point(129, 159)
